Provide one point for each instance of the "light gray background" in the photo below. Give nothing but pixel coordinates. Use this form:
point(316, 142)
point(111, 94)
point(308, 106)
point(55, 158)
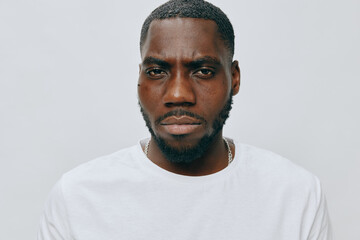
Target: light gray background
point(68, 73)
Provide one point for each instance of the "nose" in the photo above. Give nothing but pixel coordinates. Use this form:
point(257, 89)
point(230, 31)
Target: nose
point(179, 91)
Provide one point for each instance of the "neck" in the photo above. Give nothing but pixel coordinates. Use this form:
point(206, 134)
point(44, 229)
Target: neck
point(212, 161)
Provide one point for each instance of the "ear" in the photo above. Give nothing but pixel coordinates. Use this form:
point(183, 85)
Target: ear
point(235, 77)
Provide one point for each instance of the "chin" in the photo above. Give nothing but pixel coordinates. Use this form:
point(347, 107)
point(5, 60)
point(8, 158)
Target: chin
point(182, 152)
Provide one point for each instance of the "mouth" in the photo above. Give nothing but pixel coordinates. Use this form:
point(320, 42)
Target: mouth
point(180, 125)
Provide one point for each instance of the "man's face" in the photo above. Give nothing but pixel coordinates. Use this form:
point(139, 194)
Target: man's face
point(185, 85)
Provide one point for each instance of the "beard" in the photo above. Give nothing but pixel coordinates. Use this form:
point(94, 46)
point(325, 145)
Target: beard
point(187, 155)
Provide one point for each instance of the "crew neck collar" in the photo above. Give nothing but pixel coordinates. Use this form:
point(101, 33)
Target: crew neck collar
point(154, 169)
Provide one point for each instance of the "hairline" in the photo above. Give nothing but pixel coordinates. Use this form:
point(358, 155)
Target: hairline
point(227, 48)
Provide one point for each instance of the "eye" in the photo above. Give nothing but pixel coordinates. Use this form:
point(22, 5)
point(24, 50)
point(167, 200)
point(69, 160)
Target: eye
point(204, 73)
point(155, 73)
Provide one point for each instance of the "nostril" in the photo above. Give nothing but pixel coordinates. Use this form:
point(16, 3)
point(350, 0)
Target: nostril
point(179, 104)
point(188, 104)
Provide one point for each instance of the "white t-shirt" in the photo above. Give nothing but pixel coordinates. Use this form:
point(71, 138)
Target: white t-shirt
point(259, 196)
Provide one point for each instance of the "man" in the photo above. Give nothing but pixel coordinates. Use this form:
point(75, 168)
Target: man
point(187, 181)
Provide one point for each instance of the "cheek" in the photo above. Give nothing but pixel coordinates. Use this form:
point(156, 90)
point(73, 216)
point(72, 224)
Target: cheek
point(144, 94)
point(148, 98)
point(212, 103)
point(215, 94)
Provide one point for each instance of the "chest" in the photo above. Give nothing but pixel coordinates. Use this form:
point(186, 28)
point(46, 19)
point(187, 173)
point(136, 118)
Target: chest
point(154, 211)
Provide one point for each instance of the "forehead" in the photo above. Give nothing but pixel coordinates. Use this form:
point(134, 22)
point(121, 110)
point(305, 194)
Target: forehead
point(183, 37)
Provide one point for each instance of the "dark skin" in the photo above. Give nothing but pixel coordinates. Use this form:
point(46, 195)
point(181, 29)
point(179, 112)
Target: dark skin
point(185, 65)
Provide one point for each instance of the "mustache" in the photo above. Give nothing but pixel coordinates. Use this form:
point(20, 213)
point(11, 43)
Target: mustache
point(179, 113)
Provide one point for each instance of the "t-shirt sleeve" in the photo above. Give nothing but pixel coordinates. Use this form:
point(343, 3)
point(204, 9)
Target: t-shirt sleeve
point(54, 223)
point(321, 228)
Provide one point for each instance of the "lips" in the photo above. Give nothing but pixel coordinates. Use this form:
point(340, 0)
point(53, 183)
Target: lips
point(180, 125)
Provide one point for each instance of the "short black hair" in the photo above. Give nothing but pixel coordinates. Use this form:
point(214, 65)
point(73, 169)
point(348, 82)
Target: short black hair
point(193, 9)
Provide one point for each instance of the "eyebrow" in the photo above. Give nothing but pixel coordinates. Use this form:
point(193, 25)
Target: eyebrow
point(155, 61)
point(192, 64)
point(202, 61)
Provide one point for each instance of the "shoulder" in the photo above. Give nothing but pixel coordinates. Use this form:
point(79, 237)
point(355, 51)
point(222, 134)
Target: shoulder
point(298, 190)
point(103, 169)
point(276, 169)
point(277, 177)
